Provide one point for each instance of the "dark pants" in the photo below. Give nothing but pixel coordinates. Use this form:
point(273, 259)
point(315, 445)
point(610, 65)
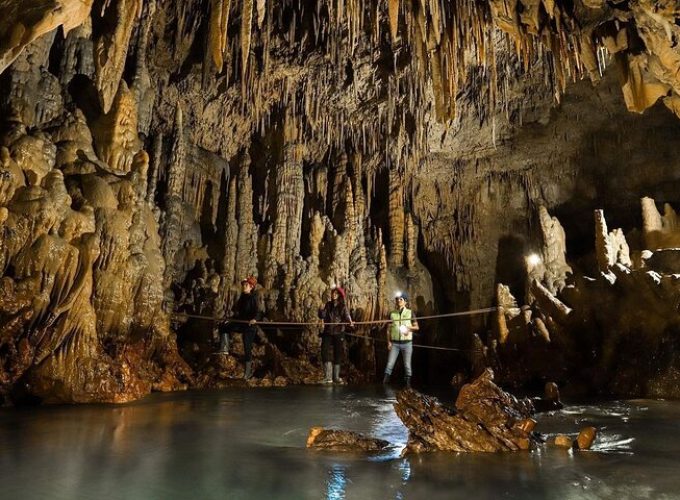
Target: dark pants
point(332, 343)
point(248, 332)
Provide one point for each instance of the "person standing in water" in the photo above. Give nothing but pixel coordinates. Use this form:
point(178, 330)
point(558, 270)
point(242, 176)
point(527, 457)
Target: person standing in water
point(400, 337)
point(247, 312)
point(333, 335)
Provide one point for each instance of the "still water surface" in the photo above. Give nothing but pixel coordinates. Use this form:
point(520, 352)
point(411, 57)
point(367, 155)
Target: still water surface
point(250, 444)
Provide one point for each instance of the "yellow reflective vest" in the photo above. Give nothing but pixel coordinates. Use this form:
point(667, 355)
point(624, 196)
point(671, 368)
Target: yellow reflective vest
point(398, 319)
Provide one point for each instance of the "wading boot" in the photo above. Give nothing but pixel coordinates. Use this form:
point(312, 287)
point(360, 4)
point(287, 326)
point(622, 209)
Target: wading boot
point(386, 379)
point(224, 344)
point(248, 372)
point(407, 382)
point(327, 373)
point(336, 375)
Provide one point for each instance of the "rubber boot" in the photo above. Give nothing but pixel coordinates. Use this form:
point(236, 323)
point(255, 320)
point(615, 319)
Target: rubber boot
point(328, 373)
point(336, 375)
point(248, 372)
point(407, 381)
point(224, 344)
point(386, 379)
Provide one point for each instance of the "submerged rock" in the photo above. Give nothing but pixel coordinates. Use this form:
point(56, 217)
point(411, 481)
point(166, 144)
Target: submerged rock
point(586, 438)
point(339, 440)
point(562, 441)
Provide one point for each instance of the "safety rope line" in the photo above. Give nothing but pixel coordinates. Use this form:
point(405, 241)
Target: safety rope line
point(292, 324)
point(472, 312)
point(422, 346)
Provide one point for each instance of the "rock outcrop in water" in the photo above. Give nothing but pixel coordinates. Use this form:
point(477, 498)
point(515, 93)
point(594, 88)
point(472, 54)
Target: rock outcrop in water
point(339, 440)
point(485, 419)
point(153, 152)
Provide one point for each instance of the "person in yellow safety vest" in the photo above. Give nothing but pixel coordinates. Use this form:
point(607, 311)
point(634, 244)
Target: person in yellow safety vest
point(400, 337)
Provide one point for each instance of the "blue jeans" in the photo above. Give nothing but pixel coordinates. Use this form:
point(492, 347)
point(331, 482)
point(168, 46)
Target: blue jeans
point(407, 351)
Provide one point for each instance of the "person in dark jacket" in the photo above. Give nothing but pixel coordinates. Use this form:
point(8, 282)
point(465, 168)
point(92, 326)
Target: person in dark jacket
point(333, 335)
point(247, 312)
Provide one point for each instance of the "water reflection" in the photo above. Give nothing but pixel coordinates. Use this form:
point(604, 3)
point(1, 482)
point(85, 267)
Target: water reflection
point(337, 481)
point(250, 444)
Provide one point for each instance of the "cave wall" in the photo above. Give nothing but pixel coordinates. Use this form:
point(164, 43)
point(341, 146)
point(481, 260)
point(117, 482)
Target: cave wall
point(155, 152)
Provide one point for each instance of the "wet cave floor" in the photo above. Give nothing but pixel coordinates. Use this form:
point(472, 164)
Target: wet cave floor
point(250, 444)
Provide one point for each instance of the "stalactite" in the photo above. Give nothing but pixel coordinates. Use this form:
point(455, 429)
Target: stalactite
point(115, 133)
point(176, 170)
point(142, 87)
point(396, 218)
point(217, 36)
point(157, 153)
point(338, 191)
point(111, 49)
point(246, 33)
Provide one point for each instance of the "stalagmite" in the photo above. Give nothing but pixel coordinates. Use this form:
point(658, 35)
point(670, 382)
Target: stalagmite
point(610, 247)
point(289, 200)
point(602, 249)
point(660, 231)
point(246, 246)
point(554, 251)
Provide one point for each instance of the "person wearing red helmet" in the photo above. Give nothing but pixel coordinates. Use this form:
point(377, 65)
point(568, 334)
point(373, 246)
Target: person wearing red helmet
point(247, 312)
point(333, 334)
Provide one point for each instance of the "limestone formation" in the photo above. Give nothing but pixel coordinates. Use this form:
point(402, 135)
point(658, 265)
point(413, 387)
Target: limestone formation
point(380, 146)
point(338, 440)
point(485, 419)
point(24, 22)
point(628, 311)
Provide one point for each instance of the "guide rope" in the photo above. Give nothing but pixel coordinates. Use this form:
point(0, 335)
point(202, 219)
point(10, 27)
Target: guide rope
point(292, 324)
point(318, 323)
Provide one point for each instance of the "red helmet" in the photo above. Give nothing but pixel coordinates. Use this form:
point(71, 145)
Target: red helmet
point(251, 280)
point(341, 291)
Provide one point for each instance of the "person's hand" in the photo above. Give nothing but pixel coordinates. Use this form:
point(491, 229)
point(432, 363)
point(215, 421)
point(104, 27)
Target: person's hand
point(351, 325)
point(252, 322)
point(389, 345)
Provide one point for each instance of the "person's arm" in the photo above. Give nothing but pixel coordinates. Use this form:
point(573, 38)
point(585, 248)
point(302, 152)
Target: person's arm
point(348, 317)
point(254, 313)
point(414, 323)
point(389, 339)
point(323, 312)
